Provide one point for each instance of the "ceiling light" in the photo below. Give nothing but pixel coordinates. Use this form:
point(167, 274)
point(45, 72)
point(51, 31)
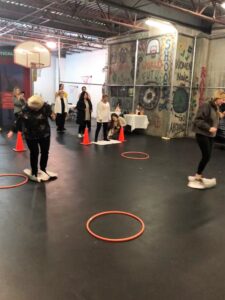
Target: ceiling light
point(166, 27)
point(51, 45)
point(223, 5)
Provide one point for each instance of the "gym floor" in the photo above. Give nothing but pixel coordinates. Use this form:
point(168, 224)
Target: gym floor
point(47, 254)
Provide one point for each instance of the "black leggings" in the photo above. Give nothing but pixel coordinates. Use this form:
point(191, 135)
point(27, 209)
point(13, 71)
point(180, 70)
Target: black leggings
point(33, 145)
point(60, 121)
point(205, 144)
point(86, 123)
point(105, 130)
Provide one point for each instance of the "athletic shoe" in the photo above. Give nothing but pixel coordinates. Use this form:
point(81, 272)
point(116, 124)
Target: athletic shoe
point(43, 176)
point(196, 184)
point(79, 135)
point(107, 140)
point(51, 174)
point(191, 178)
point(35, 178)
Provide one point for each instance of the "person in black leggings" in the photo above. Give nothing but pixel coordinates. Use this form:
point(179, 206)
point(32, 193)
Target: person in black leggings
point(34, 118)
point(205, 127)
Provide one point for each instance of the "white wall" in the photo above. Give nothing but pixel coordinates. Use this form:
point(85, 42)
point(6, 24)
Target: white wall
point(86, 64)
point(46, 82)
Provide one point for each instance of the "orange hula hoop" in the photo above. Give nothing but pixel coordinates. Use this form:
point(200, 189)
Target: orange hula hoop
point(14, 185)
point(124, 154)
point(126, 239)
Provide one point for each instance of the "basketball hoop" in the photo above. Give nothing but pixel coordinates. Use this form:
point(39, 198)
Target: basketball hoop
point(32, 55)
point(86, 79)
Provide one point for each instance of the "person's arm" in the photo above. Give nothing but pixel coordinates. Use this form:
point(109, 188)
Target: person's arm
point(80, 106)
point(17, 102)
point(50, 113)
point(16, 126)
point(98, 112)
point(202, 117)
point(122, 122)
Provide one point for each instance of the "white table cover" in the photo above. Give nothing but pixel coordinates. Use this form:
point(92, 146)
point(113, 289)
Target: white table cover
point(137, 121)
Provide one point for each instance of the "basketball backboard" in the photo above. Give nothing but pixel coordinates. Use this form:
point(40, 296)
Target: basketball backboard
point(32, 55)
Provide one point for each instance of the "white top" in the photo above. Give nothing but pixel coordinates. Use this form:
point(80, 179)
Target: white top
point(58, 108)
point(103, 112)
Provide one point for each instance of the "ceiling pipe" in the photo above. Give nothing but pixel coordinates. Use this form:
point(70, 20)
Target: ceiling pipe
point(24, 17)
point(184, 10)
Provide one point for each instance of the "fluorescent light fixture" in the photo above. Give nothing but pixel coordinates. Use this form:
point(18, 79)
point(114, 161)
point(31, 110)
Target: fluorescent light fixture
point(166, 27)
point(51, 45)
point(223, 5)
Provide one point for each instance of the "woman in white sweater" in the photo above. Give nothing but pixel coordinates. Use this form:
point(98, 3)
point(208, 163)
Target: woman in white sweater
point(103, 117)
point(61, 110)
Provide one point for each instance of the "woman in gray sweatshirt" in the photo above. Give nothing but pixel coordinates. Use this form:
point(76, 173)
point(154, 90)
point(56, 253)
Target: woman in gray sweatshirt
point(205, 126)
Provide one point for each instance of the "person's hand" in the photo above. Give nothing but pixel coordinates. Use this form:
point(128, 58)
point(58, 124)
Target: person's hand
point(53, 116)
point(10, 134)
point(213, 129)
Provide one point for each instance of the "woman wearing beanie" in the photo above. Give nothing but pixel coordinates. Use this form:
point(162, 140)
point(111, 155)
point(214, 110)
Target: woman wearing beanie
point(205, 126)
point(34, 118)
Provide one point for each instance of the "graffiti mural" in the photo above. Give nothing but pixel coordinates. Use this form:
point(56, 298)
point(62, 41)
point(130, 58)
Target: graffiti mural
point(121, 63)
point(149, 96)
point(155, 60)
point(181, 92)
point(202, 86)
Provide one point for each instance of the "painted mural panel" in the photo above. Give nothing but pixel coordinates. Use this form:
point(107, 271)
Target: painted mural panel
point(121, 63)
point(155, 58)
point(182, 81)
point(200, 93)
point(154, 72)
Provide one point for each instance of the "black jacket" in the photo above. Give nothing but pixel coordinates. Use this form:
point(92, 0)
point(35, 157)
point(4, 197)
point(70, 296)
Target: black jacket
point(81, 111)
point(34, 124)
point(207, 116)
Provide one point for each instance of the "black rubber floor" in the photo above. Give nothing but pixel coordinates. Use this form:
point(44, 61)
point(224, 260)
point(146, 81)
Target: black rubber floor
point(46, 253)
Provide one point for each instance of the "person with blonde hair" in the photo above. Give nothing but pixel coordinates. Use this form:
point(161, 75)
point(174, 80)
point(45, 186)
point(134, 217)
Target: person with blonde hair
point(34, 118)
point(61, 110)
point(205, 127)
point(18, 101)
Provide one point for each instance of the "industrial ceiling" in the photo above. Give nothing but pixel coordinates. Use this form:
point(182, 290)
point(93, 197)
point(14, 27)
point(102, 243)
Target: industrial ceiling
point(83, 25)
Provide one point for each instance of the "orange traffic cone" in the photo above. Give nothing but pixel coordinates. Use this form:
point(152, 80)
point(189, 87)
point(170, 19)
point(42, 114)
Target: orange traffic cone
point(19, 143)
point(121, 135)
point(86, 140)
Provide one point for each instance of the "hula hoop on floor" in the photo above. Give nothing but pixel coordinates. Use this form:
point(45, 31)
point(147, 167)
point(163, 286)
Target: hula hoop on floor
point(14, 185)
point(126, 155)
point(126, 239)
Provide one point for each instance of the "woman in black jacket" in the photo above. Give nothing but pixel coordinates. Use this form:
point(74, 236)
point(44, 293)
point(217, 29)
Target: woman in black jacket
point(34, 120)
point(205, 126)
point(84, 110)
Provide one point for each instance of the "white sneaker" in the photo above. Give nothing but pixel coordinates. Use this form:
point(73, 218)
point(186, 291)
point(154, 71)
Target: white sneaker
point(51, 174)
point(30, 176)
point(191, 178)
point(35, 178)
point(79, 135)
point(43, 176)
point(196, 184)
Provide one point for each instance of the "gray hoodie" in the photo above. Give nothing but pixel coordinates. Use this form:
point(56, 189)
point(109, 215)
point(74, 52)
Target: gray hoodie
point(207, 116)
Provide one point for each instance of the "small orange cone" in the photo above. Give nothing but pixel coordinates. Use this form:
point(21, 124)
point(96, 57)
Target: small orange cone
point(86, 140)
point(19, 143)
point(121, 135)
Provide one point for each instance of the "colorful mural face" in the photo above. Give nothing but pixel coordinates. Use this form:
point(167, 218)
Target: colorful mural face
point(121, 63)
point(182, 81)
